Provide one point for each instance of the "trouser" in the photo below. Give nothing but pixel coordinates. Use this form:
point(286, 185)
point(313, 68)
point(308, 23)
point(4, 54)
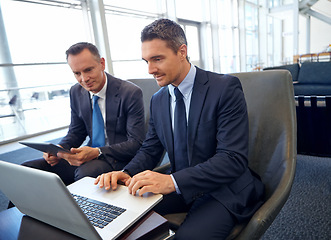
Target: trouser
point(70, 174)
point(207, 218)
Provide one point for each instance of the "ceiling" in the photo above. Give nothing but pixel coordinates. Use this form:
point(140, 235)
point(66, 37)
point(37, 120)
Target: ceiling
point(320, 9)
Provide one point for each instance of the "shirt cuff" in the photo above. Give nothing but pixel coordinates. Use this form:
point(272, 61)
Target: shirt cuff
point(175, 183)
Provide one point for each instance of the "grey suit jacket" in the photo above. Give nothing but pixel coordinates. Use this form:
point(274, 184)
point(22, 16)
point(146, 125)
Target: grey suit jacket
point(124, 120)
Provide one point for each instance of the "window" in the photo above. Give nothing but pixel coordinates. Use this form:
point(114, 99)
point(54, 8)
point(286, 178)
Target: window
point(229, 36)
point(125, 21)
point(252, 37)
point(34, 69)
point(125, 45)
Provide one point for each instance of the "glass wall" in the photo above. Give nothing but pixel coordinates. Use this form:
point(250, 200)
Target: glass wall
point(35, 78)
point(252, 36)
point(125, 20)
point(229, 36)
point(223, 35)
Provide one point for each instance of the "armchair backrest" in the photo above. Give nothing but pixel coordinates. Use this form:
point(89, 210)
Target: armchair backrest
point(149, 87)
point(293, 68)
point(315, 73)
point(272, 141)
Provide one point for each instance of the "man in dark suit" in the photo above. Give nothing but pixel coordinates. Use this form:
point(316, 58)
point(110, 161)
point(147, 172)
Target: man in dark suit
point(210, 177)
point(122, 110)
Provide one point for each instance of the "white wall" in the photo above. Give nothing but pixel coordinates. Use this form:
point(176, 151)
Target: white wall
point(320, 36)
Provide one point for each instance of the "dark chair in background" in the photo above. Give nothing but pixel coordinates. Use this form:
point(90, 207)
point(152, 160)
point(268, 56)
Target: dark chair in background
point(149, 87)
point(312, 91)
point(293, 68)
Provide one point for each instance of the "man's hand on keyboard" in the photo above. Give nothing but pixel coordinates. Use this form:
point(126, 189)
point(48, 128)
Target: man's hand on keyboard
point(149, 181)
point(110, 180)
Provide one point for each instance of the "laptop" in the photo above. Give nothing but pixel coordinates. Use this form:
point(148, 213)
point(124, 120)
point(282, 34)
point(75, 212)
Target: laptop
point(43, 196)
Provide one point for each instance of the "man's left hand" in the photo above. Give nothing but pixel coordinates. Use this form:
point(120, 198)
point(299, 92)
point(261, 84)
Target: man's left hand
point(149, 181)
point(78, 156)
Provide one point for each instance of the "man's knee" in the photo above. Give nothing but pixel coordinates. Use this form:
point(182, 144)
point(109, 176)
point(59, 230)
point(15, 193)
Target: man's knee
point(38, 164)
point(220, 233)
point(92, 168)
point(207, 219)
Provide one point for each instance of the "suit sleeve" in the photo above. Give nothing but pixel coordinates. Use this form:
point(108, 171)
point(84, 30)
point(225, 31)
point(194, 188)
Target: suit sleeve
point(150, 153)
point(77, 130)
point(133, 107)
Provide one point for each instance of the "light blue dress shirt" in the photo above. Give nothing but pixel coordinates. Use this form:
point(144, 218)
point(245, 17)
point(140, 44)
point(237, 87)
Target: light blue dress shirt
point(185, 87)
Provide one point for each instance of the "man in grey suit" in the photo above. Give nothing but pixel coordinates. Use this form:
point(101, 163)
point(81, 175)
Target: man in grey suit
point(122, 109)
point(210, 178)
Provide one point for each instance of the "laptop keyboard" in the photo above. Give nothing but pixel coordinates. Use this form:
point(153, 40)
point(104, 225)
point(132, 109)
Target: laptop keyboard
point(99, 213)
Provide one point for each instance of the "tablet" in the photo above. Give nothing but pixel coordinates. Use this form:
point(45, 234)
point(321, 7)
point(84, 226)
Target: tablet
point(45, 147)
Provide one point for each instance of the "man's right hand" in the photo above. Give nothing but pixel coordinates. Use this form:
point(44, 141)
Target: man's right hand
point(51, 159)
point(110, 179)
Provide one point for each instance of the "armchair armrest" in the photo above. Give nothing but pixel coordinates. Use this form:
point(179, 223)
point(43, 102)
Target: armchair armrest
point(163, 168)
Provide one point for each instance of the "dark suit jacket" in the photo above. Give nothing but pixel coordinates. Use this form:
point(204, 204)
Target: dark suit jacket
point(124, 120)
point(217, 144)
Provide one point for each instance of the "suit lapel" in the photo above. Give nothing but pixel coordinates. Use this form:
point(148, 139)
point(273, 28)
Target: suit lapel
point(112, 105)
point(87, 109)
point(198, 97)
point(166, 122)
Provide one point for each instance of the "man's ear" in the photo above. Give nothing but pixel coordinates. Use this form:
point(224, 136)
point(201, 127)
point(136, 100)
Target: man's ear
point(183, 51)
point(103, 63)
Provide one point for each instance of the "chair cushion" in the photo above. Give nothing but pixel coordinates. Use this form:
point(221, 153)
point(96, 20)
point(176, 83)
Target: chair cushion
point(315, 72)
point(293, 68)
point(312, 89)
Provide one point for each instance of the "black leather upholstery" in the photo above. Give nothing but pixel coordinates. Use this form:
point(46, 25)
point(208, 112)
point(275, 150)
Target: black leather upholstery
point(272, 142)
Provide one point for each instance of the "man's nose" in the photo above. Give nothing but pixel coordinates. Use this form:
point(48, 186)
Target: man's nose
point(151, 68)
point(84, 77)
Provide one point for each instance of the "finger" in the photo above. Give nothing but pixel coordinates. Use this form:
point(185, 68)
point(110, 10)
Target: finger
point(101, 182)
point(45, 156)
point(146, 189)
point(96, 181)
point(75, 150)
point(138, 185)
point(67, 156)
point(71, 162)
point(61, 155)
point(113, 181)
point(127, 181)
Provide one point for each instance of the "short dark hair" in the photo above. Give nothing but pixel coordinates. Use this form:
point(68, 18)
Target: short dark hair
point(166, 30)
point(79, 47)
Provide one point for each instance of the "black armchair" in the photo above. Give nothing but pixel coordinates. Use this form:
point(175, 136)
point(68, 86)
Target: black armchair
point(272, 146)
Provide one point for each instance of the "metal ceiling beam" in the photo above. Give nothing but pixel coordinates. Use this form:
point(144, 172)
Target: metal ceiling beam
point(319, 16)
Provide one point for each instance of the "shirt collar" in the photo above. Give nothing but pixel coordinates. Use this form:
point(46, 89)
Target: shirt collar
point(186, 86)
point(102, 92)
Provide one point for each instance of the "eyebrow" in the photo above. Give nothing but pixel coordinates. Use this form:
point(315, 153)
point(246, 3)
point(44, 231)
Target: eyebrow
point(157, 56)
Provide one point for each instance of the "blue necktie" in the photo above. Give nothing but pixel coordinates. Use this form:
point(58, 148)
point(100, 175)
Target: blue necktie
point(98, 132)
point(180, 133)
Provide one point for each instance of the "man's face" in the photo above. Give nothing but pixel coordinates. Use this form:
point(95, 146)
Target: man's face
point(164, 64)
point(88, 70)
